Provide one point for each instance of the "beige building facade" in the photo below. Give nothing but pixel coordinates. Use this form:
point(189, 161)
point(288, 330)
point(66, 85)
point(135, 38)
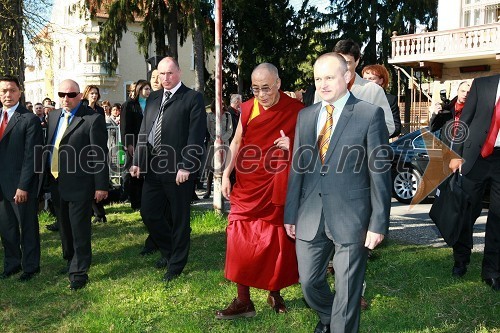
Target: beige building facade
point(61, 53)
point(465, 46)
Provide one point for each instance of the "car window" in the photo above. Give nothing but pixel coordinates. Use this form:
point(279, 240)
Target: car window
point(427, 140)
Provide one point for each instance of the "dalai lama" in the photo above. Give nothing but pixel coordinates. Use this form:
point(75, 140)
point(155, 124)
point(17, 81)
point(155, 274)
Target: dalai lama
point(259, 254)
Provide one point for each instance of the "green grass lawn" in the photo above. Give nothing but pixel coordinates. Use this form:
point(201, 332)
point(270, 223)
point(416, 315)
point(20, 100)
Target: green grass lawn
point(410, 289)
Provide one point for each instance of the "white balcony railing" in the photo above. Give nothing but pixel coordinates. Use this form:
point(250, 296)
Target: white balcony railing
point(92, 68)
point(469, 42)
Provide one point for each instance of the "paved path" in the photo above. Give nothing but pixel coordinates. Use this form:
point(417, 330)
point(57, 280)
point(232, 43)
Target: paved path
point(408, 224)
point(413, 225)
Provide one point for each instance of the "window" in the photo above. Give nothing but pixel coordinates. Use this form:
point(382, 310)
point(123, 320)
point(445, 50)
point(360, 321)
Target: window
point(478, 12)
point(492, 13)
point(127, 90)
point(91, 57)
point(466, 18)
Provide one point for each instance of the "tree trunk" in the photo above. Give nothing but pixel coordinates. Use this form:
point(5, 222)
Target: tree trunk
point(172, 32)
point(372, 26)
point(11, 39)
point(199, 63)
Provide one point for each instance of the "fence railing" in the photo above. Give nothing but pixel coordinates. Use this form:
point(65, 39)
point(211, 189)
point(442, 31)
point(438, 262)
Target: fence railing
point(471, 41)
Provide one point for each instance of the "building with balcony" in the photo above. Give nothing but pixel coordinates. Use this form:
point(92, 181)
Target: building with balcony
point(465, 46)
point(61, 53)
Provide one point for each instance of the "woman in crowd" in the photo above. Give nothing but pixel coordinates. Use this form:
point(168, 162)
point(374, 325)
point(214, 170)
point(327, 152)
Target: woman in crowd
point(130, 124)
point(91, 95)
point(380, 75)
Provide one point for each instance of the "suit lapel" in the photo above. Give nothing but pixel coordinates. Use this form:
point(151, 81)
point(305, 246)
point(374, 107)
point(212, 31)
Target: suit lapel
point(491, 99)
point(77, 119)
point(152, 112)
point(311, 131)
point(53, 120)
point(345, 116)
point(167, 114)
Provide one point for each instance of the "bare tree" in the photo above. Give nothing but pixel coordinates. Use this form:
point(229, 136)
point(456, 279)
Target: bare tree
point(22, 20)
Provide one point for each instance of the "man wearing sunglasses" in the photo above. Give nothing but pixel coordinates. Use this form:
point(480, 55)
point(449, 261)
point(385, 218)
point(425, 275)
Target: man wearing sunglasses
point(78, 173)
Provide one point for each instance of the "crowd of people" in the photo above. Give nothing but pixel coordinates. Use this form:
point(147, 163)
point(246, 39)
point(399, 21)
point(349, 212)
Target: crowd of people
point(307, 177)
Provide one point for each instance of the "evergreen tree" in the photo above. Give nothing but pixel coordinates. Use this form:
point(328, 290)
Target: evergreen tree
point(268, 31)
point(364, 20)
point(166, 22)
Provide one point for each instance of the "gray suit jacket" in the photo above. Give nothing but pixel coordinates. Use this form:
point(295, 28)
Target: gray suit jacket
point(352, 189)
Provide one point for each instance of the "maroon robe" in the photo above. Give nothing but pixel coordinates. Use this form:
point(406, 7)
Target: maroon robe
point(259, 252)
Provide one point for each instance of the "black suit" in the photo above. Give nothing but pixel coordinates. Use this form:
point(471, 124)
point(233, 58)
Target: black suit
point(165, 207)
point(83, 170)
point(130, 125)
point(19, 222)
point(393, 103)
point(478, 171)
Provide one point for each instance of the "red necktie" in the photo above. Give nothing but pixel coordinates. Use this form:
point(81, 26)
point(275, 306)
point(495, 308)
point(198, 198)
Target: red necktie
point(489, 144)
point(3, 125)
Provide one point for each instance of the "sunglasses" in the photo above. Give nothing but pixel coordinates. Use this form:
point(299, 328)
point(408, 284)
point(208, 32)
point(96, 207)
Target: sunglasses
point(70, 94)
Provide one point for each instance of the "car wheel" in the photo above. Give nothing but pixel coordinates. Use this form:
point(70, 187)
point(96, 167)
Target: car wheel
point(406, 184)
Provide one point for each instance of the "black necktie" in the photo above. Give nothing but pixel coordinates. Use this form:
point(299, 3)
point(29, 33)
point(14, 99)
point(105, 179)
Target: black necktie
point(157, 132)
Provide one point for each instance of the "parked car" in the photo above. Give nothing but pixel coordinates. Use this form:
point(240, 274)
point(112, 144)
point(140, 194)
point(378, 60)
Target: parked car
point(412, 153)
point(410, 159)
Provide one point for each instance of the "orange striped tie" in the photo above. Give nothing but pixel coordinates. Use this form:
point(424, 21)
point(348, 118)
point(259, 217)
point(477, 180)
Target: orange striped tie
point(326, 133)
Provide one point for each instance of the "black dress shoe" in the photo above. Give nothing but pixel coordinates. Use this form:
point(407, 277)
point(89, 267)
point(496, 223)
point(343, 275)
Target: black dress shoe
point(8, 274)
point(26, 276)
point(494, 283)
point(147, 251)
point(459, 269)
point(161, 263)
point(52, 227)
point(170, 276)
point(322, 328)
point(100, 219)
point(77, 284)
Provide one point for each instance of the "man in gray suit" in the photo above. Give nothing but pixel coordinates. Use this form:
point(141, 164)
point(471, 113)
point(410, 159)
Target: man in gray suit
point(338, 194)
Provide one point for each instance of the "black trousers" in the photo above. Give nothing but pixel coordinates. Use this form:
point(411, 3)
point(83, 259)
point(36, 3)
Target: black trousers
point(485, 171)
point(20, 235)
point(75, 230)
point(132, 186)
point(166, 210)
